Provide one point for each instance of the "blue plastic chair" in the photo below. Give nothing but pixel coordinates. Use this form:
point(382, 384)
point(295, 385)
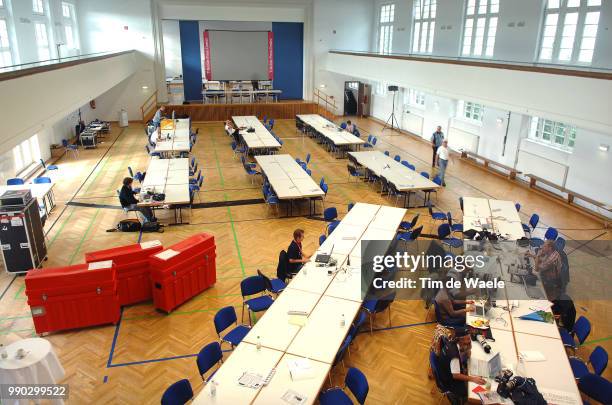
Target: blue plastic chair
point(374, 306)
point(412, 167)
point(325, 188)
point(596, 387)
point(193, 170)
point(48, 167)
point(178, 393)
point(275, 285)
point(518, 207)
point(356, 382)
point(436, 216)
point(322, 181)
point(435, 370)
point(224, 318)
point(14, 182)
point(271, 123)
point(461, 203)
point(533, 223)
point(387, 153)
point(405, 226)
point(425, 174)
point(130, 172)
point(598, 360)
point(209, 356)
point(330, 214)
point(551, 234)
point(308, 158)
point(560, 244)
point(581, 330)
point(444, 231)
point(350, 206)
point(41, 180)
point(454, 227)
point(406, 163)
point(322, 239)
point(70, 148)
point(397, 158)
point(250, 286)
point(343, 125)
point(332, 226)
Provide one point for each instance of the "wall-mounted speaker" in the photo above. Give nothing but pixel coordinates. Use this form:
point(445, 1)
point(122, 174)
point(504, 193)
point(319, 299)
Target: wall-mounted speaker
point(392, 88)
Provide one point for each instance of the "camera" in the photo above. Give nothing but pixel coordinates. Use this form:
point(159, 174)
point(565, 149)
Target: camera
point(508, 383)
point(520, 389)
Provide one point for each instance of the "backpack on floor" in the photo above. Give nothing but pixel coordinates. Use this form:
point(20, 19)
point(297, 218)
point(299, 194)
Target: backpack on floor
point(129, 225)
point(152, 227)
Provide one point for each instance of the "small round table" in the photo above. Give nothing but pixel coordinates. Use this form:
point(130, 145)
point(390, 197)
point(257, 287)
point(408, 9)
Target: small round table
point(39, 366)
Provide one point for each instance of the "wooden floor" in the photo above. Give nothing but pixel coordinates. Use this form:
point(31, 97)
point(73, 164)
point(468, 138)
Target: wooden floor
point(133, 362)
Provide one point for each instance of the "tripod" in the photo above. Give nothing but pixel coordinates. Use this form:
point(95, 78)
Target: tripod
point(392, 119)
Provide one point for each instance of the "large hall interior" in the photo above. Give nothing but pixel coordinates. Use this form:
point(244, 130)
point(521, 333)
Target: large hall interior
point(305, 201)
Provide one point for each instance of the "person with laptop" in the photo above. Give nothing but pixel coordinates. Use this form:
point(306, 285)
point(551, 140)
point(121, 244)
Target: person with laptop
point(452, 311)
point(295, 255)
point(453, 365)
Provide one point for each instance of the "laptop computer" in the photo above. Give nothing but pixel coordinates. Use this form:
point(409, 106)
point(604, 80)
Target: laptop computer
point(324, 257)
point(486, 368)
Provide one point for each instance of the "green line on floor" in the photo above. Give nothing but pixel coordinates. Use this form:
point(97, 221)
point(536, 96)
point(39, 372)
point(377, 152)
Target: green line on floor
point(596, 341)
point(60, 228)
point(149, 316)
point(222, 182)
point(91, 222)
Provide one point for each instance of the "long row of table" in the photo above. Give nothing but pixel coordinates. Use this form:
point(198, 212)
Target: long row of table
point(327, 297)
point(255, 135)
point(515, 337)
point(330, 131)
point(169, 177)
point(174, 135)
point(403, 178)
point(288, 180)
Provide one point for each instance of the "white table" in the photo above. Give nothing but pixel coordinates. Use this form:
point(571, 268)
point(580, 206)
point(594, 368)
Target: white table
point(173, 136)
point(274, 329)
point(329, 130)
point(287, 178)
point(403, 178)
point(43, 192)
point(39, 366)
point(245, 357)
point(171, 177)
point(260, 139)
point(501, 216)
point(282, 381)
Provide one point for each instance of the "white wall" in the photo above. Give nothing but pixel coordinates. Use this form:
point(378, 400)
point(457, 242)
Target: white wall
point(114, 25)
point(339, 24)
point(172, 48)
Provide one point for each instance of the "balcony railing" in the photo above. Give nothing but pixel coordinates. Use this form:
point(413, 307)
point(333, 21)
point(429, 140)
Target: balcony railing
point(550, 68)
point(25, 69)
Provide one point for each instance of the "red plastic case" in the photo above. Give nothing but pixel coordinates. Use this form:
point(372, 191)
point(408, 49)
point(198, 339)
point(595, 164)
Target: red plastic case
point(182, 271)
point(72, 297)
point(132, 267)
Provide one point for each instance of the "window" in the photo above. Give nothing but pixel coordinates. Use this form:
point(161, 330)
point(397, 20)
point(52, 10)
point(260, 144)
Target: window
point(471, 111)
point(26, 153)
point(66, 10)
point(42, 41)
point(553, 133)
point(480, 27)
point(385, 30)
point(424, 26)
point(69, 37)
point(415, 98)
point(570, 31)
point(6, 58)
point(1, 3)
point(38, 7)
point(381, 89)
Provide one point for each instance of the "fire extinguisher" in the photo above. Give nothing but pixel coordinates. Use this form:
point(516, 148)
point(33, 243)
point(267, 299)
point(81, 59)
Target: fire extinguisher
point(92, 104)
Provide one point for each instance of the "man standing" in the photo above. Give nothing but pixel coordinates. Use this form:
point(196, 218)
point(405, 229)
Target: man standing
point(436, 140)
point(158, 116)
point(443, 156)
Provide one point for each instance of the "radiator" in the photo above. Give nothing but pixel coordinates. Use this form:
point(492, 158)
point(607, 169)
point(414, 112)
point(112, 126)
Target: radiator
point(459, 139)
point(413, 123)
point(555, 172)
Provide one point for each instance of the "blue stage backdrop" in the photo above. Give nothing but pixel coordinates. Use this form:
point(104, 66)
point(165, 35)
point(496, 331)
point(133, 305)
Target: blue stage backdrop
point(289, 59)
point(192, 63)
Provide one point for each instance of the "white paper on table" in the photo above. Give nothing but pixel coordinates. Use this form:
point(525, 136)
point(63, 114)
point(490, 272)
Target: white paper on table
point(557, 397)
point(106, 264)
point(167, 254)
point(149, 244)
point(300, 369)
point(532, 355)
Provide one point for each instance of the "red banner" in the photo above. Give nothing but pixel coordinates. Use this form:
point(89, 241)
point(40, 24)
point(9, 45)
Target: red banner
point(207, 66)
point(270, 55)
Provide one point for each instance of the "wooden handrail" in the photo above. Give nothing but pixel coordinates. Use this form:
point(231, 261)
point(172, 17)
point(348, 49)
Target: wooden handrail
point(149, 104)
point(325, 102)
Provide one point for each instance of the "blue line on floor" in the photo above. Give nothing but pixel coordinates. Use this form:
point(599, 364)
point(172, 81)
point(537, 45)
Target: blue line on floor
point(140, 235)
point(116, 335)
point(135, 363)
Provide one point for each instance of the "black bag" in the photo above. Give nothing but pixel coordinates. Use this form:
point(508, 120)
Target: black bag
point(129, 225)
point(158, 197)
point(152, 227)
point(527, 394)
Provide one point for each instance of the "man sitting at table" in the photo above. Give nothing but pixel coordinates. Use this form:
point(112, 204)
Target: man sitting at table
point(452, 364)
point(229, 127)
point(295, 254)
point(452, 311)
point(127, 200)
point(350, 127)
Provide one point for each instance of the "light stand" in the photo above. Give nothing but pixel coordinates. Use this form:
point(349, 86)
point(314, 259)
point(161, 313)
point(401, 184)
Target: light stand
point(392, 119)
